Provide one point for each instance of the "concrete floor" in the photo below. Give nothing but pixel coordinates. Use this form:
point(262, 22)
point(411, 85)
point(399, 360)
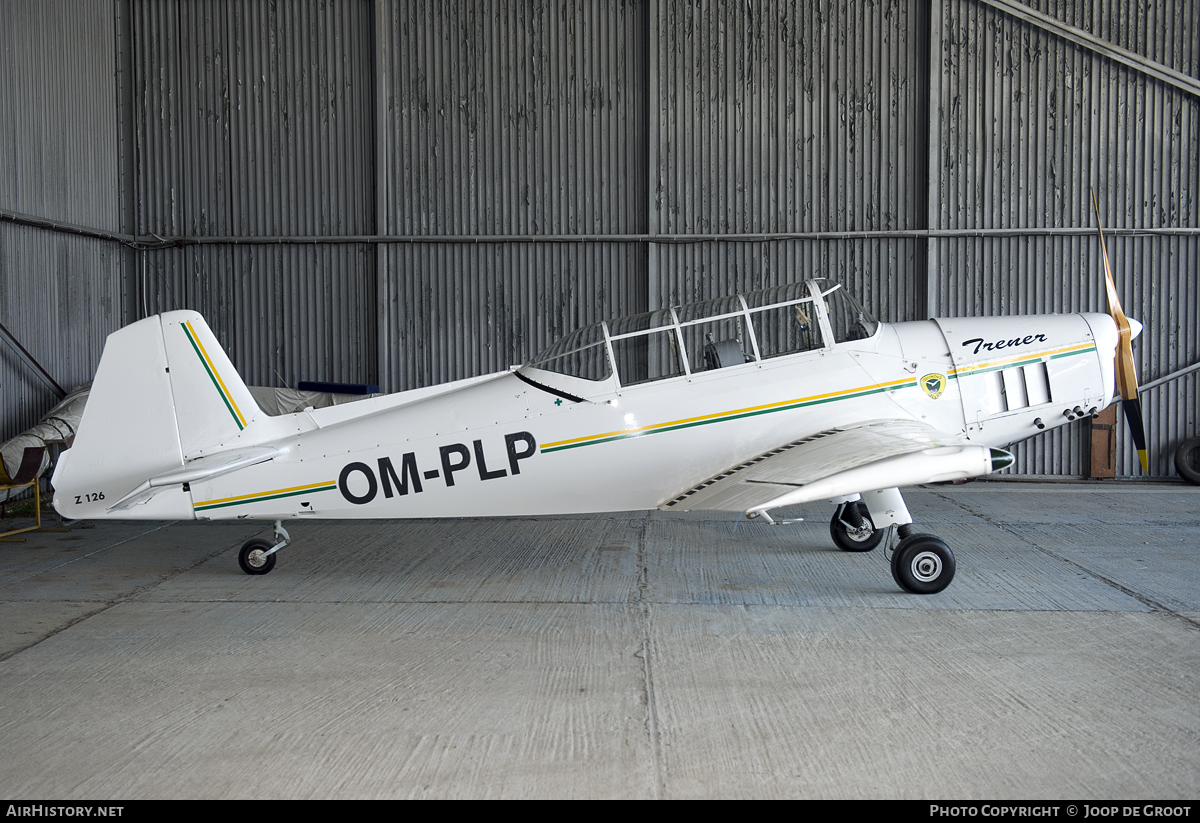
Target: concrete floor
point(637, 655)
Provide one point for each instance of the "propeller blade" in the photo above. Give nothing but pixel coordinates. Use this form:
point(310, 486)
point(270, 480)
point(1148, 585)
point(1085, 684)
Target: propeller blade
point(1127, 382)
point(1133, 419)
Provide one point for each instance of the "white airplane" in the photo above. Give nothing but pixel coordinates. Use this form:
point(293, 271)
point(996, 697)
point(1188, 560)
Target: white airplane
point(745, 404)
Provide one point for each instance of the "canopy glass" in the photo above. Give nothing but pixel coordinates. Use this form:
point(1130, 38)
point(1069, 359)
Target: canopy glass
point(714, 334)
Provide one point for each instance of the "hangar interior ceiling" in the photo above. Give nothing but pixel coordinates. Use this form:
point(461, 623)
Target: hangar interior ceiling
point(406, 193)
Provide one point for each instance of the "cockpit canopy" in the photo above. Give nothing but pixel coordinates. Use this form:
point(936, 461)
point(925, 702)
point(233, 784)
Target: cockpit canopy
point(714, 334)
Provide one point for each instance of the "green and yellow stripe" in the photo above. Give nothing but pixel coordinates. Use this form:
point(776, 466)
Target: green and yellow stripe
point(720, 417)
point(214, 376)
point(1023, 360)
point(812, 400)
point(258, 497)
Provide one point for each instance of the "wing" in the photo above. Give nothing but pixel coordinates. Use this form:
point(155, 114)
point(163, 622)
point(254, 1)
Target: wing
point(878, 454)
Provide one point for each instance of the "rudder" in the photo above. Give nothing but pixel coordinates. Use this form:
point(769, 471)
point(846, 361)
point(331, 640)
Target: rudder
point(212, 404)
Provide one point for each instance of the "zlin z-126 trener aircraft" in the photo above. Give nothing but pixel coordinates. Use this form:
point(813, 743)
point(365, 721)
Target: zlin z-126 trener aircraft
point(744, 404)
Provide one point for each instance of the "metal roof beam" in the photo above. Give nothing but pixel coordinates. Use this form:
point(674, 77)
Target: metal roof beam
point(1088, 41)
point(1175, 375)
point(30, 360)
point(153, 241)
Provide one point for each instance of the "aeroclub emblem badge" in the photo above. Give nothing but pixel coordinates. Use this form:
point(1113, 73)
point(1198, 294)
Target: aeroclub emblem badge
point(933, 384)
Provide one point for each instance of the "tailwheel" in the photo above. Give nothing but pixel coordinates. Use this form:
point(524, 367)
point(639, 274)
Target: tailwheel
point(923, 564)
point(852, 530)
point(253, 557)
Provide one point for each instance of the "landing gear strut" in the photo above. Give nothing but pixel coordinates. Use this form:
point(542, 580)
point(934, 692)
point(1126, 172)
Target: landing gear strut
point(258, 555)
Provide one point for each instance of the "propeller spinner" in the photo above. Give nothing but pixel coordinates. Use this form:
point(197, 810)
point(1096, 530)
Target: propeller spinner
point(1127, 382)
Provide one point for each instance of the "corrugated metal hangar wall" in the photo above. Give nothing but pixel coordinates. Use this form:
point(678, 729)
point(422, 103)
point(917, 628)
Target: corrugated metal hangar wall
point(412, 192)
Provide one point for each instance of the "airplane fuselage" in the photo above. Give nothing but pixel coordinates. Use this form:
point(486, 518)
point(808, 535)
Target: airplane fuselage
point(501, 445)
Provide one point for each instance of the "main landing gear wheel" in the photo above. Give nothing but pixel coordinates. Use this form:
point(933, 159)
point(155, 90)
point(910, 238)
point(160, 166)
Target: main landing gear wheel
point(253, 557)
point(923, 564)
point(851, 539)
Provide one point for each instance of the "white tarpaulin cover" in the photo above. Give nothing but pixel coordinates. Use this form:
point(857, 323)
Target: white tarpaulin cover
point(57, 426)
point(286, 401)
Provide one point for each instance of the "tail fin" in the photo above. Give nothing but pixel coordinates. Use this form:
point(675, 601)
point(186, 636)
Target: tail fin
point(164, 393)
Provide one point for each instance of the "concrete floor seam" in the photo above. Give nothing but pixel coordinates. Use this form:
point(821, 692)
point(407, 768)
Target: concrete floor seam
point(652, 729)
point(56, 631)
point(109, 604)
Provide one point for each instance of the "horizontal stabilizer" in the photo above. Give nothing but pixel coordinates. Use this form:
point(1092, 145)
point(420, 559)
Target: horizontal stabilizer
point(204, 468)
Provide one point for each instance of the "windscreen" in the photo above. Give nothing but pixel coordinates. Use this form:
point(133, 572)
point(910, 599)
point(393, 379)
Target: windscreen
point(580, 354)
point(849, 320)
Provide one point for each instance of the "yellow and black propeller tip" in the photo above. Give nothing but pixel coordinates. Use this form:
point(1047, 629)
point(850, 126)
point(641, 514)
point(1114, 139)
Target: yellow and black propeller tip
point(1127, 382)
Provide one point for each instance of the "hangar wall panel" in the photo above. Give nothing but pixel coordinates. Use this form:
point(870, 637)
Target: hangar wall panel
point(785, 118)
point(1167, 299)
point(284, 313)
point(1173, 409)
point(878, 273)
point(1026, 122)
point(515, 118)
point(511, 120)
point(58, 126)
point(788, 117)
point(60, 296)
point(455, 310)
point(1163, 31)
point(254, 118)
point(254, 121)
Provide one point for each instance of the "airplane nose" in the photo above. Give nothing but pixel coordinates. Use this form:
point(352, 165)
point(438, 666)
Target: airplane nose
point(1135, 328)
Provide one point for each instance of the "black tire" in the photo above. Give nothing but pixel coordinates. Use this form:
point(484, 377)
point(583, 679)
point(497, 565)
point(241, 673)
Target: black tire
point(850, 541)
point(1187, 460)
point(923, 564)
point(250, 557)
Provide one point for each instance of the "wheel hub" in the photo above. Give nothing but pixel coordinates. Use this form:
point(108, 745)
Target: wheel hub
point(257, 558)
point(926, 566)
